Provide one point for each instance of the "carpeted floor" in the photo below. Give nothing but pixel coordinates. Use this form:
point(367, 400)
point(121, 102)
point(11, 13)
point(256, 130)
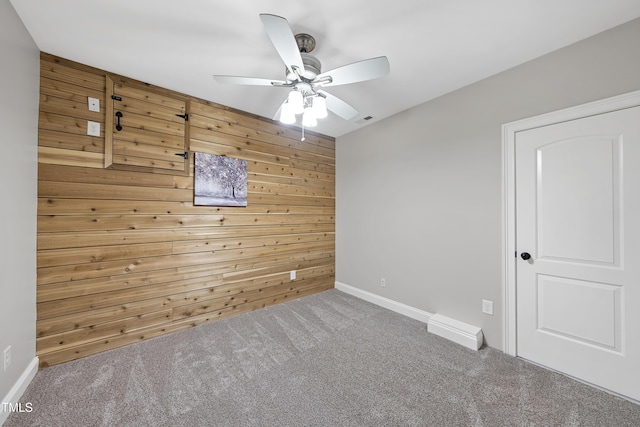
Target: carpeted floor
point(324, 360)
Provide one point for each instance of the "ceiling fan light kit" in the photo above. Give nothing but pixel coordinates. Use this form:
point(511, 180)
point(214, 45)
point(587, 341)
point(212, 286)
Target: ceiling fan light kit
point(304, 77)
point(311, 105)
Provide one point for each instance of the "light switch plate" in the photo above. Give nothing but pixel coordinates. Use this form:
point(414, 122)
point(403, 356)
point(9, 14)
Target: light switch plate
point(94, 104)
point(93, 128)
point(487, 307)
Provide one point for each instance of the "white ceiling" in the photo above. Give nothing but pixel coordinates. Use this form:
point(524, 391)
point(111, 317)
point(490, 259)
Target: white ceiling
point(433, 46)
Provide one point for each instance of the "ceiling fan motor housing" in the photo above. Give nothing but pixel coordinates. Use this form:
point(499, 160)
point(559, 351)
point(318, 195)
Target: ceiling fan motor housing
point(312, 67)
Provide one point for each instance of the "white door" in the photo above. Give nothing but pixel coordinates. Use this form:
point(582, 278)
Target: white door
point(578, 218)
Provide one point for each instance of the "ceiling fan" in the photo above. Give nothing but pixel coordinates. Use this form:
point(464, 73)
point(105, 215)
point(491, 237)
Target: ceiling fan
point(304, 77)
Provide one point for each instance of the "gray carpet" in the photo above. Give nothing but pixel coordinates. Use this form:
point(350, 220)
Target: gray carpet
point(324, 360)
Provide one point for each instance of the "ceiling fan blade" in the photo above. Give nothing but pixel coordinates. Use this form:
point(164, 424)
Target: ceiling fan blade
point(357, 72)
point(338, 106)
point(282, 38)
point(253, 81)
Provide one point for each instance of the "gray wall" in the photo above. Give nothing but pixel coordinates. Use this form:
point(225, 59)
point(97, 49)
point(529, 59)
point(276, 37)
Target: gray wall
point(19, 89)
point(419, 194)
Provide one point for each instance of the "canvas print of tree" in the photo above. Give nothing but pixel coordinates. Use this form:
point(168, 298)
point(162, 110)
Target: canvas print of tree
point(220, 181)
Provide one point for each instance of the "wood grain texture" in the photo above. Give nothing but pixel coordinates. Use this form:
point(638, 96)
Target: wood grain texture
point(124, 255)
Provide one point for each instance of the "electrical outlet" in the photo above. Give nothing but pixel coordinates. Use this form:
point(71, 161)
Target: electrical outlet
point(7, 358)
point(487, 307)
point(292, 275)
point(93, 128)
point(383, 282)
point(94, 104)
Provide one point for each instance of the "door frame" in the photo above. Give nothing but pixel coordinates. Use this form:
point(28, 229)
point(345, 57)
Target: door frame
point(509, 259)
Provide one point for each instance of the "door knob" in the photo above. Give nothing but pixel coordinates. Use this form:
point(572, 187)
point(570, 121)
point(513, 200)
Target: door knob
point(525, 255)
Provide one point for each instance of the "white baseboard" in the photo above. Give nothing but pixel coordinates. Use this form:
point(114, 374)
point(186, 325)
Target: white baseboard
point(451, 329)
point(19, 388)
point(462, 333)
point(398, 307)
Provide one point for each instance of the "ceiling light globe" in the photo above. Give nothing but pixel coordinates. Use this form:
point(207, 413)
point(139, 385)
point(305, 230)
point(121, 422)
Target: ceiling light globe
point(309, 118)
point(286, 114)
point(296, 101)
point(320, 107)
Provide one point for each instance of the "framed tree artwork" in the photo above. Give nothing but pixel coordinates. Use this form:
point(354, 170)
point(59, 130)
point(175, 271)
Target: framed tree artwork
point(219, 181)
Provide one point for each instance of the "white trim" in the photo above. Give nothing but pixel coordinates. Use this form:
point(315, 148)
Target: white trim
point(19, 388)
point(461, 333)
point(398, 307)
point(509, 132)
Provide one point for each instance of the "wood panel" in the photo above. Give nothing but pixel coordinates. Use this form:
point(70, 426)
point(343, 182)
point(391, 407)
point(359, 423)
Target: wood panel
point(124, 255)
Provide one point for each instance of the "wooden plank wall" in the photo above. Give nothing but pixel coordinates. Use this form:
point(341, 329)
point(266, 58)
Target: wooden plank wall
point(124, 256)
